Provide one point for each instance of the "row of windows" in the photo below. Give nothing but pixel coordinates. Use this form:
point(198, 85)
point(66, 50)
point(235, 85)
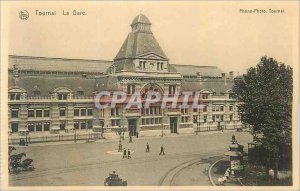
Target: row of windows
point(152, 110)
point(83, 112)
point(38, 127)
point(38, 113)
point(216, 118)
point(159, 65)
point(151, 121)
point(83, 124)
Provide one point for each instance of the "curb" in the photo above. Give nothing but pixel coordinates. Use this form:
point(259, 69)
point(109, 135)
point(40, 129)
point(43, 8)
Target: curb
point(209, 172)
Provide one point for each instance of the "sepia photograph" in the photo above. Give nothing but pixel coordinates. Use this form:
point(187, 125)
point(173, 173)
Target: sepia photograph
point(195, 95)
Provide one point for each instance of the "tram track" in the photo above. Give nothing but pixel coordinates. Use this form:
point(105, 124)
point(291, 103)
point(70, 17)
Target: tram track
point(169, 178)
point(99, 165)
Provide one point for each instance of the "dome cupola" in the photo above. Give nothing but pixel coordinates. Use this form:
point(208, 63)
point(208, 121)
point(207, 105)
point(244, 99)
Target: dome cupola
point(141, 24)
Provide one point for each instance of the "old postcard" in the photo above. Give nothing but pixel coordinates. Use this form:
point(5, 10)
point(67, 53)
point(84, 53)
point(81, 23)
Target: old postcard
point(195, 95)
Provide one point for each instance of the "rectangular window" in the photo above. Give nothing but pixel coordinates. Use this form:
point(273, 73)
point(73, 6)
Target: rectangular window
point(184, 119)
point(76, 125)
point(46, 126)
point(231, 117)
point(101, 113)
point(231, 108)
point(83, 112)
point(14, 113)
point(130, 89)
point(213, 108)
point(90, 112)
point(38, 113)
point(46, 113)
point(31, 127)
point(115, 122)
point(39, 127)
point(83, 125)
point(31, 113)
point(62, 125)
point(222, 117)
point(76, 112)
point(18, 96)
point(172, 89)
point(62, 112)
point(14, 127)
point(205, 118)
point(205, 108)
point(214, 118)
point(222, 108)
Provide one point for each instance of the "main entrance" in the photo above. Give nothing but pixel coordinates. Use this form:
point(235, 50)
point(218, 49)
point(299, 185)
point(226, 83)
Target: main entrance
point(132, 127)
point(173, 124)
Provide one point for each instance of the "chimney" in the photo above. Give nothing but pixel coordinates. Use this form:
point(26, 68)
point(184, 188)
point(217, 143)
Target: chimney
point(231, 75)
point(199, 76)
point(224, 76)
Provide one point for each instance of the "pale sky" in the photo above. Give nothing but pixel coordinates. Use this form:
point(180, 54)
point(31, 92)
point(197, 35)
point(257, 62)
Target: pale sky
point(197, 33)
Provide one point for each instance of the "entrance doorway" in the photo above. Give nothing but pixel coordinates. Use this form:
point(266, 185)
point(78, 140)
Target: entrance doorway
point(132, 127)
point(173, 124)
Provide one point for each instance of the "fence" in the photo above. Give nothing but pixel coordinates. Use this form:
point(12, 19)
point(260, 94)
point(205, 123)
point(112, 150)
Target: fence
point(56, 138)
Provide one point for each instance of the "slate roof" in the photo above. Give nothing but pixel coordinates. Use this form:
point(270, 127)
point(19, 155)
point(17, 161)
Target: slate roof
point(191, 70)
point(218, 87)
point(58, 64)
point(139, 42)
point(47, 84)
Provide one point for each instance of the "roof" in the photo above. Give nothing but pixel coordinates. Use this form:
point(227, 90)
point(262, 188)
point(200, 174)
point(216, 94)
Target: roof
point(218, 87)
point(58, 64)
point(140, 19)
point(139, 43)
point(46, 84)
point(190, 70)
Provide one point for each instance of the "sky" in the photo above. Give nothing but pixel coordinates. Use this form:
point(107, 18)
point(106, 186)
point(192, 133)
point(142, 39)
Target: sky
point(190, 33)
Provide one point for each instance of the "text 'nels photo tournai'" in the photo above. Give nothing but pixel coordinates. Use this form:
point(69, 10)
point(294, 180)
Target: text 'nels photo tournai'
point(57, 95)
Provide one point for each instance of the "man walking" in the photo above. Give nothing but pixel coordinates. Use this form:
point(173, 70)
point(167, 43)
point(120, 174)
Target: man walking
point(124, 154)
point(147, 148)
point(162, 150)
point(128, 152)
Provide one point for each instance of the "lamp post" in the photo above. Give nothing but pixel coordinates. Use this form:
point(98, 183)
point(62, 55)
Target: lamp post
point(120, 144)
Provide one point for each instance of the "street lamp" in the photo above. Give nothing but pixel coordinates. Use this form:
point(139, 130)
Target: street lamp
point(120, 144)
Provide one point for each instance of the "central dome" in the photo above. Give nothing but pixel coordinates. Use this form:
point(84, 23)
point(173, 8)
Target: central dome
point(140, 19)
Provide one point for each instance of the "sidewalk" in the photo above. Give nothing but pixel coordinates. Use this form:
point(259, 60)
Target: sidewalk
point(104, 140)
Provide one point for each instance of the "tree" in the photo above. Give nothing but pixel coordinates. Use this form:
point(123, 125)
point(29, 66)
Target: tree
point(265, 96)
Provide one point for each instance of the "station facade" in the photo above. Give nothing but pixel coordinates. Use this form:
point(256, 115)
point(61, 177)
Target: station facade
point(57, 95)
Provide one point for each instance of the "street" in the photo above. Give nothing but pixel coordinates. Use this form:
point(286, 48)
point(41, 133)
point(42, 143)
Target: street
point(88, 164)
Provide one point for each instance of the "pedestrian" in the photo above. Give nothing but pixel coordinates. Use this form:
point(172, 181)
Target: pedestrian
point(137, 134)
point(162, 150)
point(130, 139)
point(147, 148)
point(124, 154)
point(128, 152)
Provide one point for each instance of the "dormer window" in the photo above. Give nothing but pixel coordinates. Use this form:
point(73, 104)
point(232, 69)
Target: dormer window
point(36, 91)
point(15, 96)
point(62, 96)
